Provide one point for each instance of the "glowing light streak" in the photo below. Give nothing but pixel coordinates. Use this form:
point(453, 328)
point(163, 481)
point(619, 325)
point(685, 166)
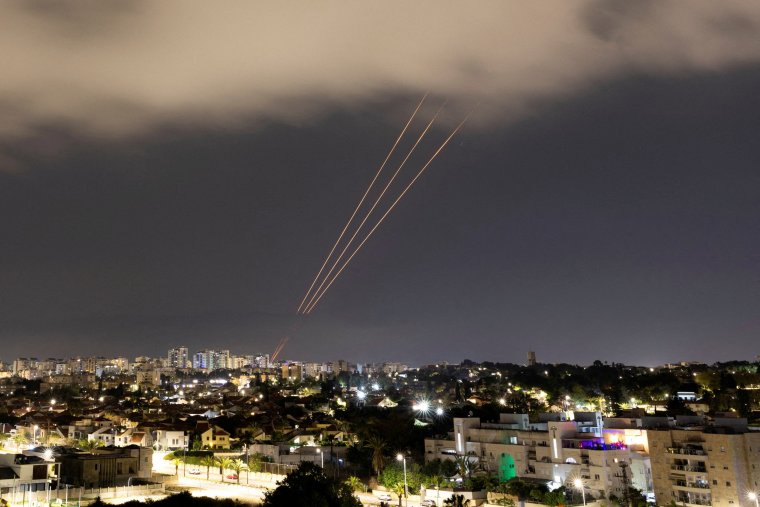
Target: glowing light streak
point(336, 263)
point(278, 349)
point(387, 212)
point(361, 201)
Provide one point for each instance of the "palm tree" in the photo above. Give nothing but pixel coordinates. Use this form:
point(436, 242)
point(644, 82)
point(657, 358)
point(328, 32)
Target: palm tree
point(355, 483)
point(237, 466)
point(223, 463)
point(89, 445)
point(378, 446)
point(465, 463)
point(208, 461)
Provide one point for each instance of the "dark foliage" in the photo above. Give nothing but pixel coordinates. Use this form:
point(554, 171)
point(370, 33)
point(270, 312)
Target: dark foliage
point(308, 486)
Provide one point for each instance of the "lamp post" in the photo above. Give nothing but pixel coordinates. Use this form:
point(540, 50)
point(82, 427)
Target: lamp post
point(34, 435)
point(402, 458)
point(754, 497)
point(578, 483)
point(321, 457)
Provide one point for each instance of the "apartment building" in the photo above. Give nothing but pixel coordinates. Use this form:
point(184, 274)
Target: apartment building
point(178, 357)
point(555, 449)
point(715, 464)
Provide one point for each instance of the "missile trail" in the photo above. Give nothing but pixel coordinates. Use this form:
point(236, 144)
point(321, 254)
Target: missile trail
point(313, 304)
point(374, 205)
point(361, 201)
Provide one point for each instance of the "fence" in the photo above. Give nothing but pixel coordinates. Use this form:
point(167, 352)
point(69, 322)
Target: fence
point(73, 496)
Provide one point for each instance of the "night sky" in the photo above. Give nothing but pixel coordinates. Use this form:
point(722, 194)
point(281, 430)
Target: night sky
point(175, 175)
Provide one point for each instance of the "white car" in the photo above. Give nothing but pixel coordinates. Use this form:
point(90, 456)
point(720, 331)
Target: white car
point(428, 502)
point(384, 497)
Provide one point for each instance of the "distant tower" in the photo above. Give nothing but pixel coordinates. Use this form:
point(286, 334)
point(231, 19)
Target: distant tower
point(177, 357)
point(531, 358)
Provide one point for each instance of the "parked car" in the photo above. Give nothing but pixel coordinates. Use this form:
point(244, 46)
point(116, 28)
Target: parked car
point(384, 497)
point(232, 476)
point(428, 502)
point(195, 471)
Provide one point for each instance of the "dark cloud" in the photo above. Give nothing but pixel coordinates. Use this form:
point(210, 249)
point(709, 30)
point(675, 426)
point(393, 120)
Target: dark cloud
point(109, 69)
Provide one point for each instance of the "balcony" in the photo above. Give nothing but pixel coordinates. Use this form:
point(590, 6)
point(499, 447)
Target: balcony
point(690, 486)
point(692, 501)
point(689, 468)
point(686, 451)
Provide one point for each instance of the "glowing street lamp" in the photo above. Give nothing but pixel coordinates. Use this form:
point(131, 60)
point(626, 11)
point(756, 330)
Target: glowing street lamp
point(402, 458)
point(322, 457)
point(439, 411)
point(422, 406)
point(578, 483)
point(753, 497)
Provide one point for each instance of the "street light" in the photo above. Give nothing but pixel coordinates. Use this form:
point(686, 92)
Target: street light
point(34, 436)
point(402, 458)
point(321, 457)
point(578, 483)
point(753, 496)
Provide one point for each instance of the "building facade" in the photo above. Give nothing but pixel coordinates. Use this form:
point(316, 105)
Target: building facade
point(713, 465)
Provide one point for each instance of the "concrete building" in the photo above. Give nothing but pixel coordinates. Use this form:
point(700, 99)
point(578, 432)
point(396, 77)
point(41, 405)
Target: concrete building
point(553, 450)
point(106, 468)
point(170, 440)
point(714, 464)
point(292, 372)
point(211, 360)
point(19, 473)
point(178, 357)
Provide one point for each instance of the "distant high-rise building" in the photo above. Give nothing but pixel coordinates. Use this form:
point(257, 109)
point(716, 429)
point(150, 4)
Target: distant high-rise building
point(178, 357)
point(212, 360)
point(531, 358)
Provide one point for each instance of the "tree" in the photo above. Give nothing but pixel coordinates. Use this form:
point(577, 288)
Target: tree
point(89, 445)
point(223, 463)
point(308, 486)
point(399, 490)
point(378, 446)
point(555, 498)
point(518, 488)
point(20, 439)
point(465, 465)
point(208, 461)
point(237, 466)
point(355, 483)
point(177, 462)
point(456, 501)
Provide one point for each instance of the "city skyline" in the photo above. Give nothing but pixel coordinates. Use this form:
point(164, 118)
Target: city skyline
point(600, 203)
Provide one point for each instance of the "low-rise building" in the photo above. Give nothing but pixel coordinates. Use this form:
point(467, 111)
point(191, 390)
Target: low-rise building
point(106, 467)
point(553, 450)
